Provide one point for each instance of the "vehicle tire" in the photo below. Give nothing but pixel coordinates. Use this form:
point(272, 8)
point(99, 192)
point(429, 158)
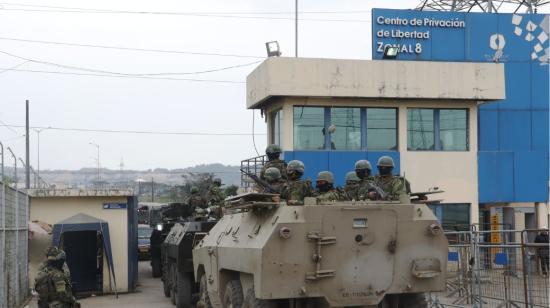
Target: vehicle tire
point(166, 289)
point(250, 301)
point(156, 267)
point(233, 296)
point(203, 293)
point(183, 290)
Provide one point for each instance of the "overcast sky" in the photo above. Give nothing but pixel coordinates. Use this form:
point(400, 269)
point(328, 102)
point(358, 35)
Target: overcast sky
point(144, 104)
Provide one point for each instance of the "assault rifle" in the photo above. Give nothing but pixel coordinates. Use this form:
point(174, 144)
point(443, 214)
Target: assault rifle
point(379, 191)
point(263, 184)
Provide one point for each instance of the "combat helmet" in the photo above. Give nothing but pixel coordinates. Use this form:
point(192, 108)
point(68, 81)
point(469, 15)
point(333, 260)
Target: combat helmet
point(352, 177)
point(295, 166)
point(326, 176)
point(273, 149)
point(53, 254)
point(385, 161)
point(363, 164)
point(272, 174)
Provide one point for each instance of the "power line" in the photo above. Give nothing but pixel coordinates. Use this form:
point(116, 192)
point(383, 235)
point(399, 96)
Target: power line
point(124, 74)
point(131, 48)
point(129, 131)
point(239, 13)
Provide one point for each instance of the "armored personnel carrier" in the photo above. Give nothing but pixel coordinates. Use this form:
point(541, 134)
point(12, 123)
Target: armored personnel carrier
point(177, 259)
point(341, 254)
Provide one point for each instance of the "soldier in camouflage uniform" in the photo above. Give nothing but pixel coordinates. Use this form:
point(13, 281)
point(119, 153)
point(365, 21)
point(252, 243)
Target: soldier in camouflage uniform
point(274, 179)
point(216, 197)
point(352, 185)
point(273, 152)
point(53, 284)
point(325, 188)
point(296, 189)
point(196, 200)
point(363, 171)
point(394, 186)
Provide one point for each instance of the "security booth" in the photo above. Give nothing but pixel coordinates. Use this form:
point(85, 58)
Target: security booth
point(329, 113)
point(97, 228)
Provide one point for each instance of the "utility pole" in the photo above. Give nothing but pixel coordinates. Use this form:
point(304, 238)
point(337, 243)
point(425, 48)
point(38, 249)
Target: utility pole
point(27, 155)
point(152, 190)
point(38, 131)
point(98, 165)
point(296, 29)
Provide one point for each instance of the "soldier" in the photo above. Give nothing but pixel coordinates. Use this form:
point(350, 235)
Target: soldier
point(273, 152)
point(274, 179)
point(53, 284)
point(325, 188)
point(196, 200)
point(296, 189)
point(216, 197)
point(352, 185)
point(393, 186)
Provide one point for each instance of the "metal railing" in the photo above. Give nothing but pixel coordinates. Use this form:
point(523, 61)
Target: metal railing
point(252, 165)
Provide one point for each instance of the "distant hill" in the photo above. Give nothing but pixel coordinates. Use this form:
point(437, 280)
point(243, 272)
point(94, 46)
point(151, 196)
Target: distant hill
point(230, 175)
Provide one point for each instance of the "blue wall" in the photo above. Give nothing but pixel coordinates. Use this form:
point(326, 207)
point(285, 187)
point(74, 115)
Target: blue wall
point(513, 133)
point(338, 162)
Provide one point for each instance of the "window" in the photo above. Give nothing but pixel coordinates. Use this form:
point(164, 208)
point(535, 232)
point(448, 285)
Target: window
point(276, 122)
point(347, 122)
point(345, 128)
point(452, 216)
point(309, 127)
point(437, 129)
point(381, 129)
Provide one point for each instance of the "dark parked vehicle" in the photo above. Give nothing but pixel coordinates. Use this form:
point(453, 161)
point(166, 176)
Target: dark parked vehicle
point(144, 242)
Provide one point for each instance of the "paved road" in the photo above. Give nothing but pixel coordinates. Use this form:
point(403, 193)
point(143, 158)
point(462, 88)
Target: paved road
point(149, 294)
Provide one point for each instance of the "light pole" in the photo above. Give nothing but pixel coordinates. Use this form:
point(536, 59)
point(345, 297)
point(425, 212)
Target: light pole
point(38, 131)
point(98, 165)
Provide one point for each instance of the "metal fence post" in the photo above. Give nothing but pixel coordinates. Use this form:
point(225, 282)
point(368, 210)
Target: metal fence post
point(3, 279)
point(16, 256)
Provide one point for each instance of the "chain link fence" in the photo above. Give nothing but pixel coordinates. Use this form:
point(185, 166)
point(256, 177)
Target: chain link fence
point(496, 268)
point(14, 215)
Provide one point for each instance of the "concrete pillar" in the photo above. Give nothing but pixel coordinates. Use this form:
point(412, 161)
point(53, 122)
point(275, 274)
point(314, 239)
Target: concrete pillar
point(541, 212)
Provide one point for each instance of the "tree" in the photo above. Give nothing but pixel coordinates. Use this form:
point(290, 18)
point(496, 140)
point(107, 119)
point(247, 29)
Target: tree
point(231, 190)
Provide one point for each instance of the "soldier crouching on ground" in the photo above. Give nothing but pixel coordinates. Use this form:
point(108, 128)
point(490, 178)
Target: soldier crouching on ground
point(296, 189)
point(325, 188)
point(53, 284)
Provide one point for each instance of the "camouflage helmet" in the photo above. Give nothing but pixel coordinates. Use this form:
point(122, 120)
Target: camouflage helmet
point(272, 174)
point(295, 165)
point(362, 164)
point(194, 189)
point(217, 181)
point(53, 254)
point(385, 161)
point(352, 177)
point(326, 176)
point(273, 149)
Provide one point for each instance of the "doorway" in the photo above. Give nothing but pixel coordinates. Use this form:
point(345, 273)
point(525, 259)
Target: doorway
point(85, 260)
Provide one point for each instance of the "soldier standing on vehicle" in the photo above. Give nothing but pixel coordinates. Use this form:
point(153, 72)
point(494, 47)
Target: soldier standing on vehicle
point(53, 284)
point(325, 188)
point(273, 152)
point(352, 185)
point(393, 186)
point(296, 189)
point(274, 179)
point(196, 200)
point(216, 197)
point(542, 238)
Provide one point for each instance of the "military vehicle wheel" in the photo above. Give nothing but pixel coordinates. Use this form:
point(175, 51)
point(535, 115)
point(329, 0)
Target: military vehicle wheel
point(183, 290)
point(233, 297)
point(250, 301)
point(166, 289)
point(203, 293)
point(156, 267)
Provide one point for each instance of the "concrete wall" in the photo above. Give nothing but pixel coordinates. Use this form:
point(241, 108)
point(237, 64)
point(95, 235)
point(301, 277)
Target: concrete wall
point(54, 209)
